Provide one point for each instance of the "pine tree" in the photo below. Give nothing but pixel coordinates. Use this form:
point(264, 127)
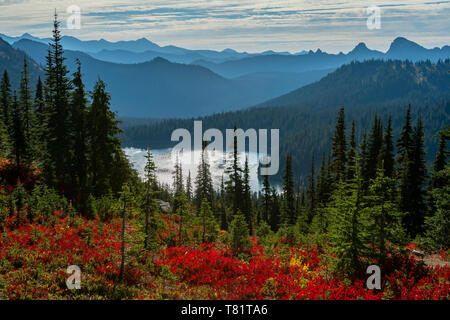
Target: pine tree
point(203, 182)
point(311, 193)
point(79, 161)
point(40, 124)
point(189, 186)
point(57, 87)
point(382, 217)
point(239, 233)
point(374, 148)
point(247, 209)
point(441, 157)
point(386, 159)
point(25, 100)
point(346, 228)
point(5, 99)
point(266, 196)
point(404, 143)
point(339, 147)
point(288, 193)
point(234, 182)
point(415, 204)
point(105, 152)
point(438, 225)
point(208, 223)
point(19, 143)
point(352, 152)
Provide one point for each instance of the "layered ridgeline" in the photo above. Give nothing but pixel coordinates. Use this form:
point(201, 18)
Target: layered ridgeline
point(306, 116)
point(148, 80)
point(160, 88)
point(12, 60)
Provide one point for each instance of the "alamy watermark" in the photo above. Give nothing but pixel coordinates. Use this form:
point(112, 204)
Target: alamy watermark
point(374, 19)
point(74, 280)
point(257, 145)
point(74, 19)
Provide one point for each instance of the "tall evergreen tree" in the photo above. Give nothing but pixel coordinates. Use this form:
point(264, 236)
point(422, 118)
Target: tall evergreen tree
point(386, 159)
point(5, 99)
point(352, 151)
point(203, 182)
point(339, 147)
point(79, 160)
point(234, 182)
point(404, 143)
point(312, 201)
point(247, 209)
point(19, 143)
point(375, 144)
point(150, 182)
point(288, 193)
point(266, 197)
point(25, 100)
point(57, 87)
point(105, 146)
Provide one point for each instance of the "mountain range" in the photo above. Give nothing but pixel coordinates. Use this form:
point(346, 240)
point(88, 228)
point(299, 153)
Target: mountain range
point(176, 82)
point(306, 117)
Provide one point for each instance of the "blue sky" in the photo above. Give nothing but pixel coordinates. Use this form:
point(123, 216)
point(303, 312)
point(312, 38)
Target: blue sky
point(244, 25)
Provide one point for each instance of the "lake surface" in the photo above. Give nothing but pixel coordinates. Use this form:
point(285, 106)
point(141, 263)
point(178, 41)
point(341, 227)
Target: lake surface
point(165, 163)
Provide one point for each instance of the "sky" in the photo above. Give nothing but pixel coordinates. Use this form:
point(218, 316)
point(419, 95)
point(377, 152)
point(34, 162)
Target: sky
point(243, 25)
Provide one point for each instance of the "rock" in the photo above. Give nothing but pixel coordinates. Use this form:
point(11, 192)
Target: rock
point(418, 253)
point(164, 206)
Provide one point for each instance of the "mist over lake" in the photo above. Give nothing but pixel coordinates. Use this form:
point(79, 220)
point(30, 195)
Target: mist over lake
point(165, 164)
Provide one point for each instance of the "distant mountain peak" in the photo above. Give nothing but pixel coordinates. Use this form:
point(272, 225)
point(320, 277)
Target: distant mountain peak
point(401, 42)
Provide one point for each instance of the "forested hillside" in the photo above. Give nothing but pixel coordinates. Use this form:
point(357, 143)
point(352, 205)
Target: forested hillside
point(305, 117)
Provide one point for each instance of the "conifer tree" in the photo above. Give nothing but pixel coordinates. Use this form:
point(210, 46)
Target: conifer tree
point(234, 182)
point(311, 193)
point(266, 197)
point(375, 144)
point(26, 104)
point(382, 217)
point(79, 145)
point(40, 123)
point(386, 159)
point(105, 152)
point(352, 152)
point(203, 182)
point(441, 157)
point(404, 143)
point(5, 99)
point(208, 223)
point(189, 186)
point(57, 87)
point(288, 193)
point(19, 143)
point(150, 183)
point(247, 209)
point(339, 147)
point(346, 228)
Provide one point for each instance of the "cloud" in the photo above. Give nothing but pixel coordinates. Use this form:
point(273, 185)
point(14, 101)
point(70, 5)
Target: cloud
point(252, 25)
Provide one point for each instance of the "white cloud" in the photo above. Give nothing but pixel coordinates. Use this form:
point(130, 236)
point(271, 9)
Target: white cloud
point(251, 25)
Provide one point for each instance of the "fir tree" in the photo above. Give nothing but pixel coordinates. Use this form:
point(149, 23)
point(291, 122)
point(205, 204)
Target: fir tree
point(5, 99)
point(79, 161)
point(25, 100)
point(339, 147)
point(382, 216)
point(311, 193)
point(386, 159)
point(375, 144)
point(150, 182)
point(266, 197)
point(234, 182)
point(57, 87)
point(351, 154)
point(19, 143)
point(203, 182)
point(288, 192)
point(208, 223)
point(105, 152)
